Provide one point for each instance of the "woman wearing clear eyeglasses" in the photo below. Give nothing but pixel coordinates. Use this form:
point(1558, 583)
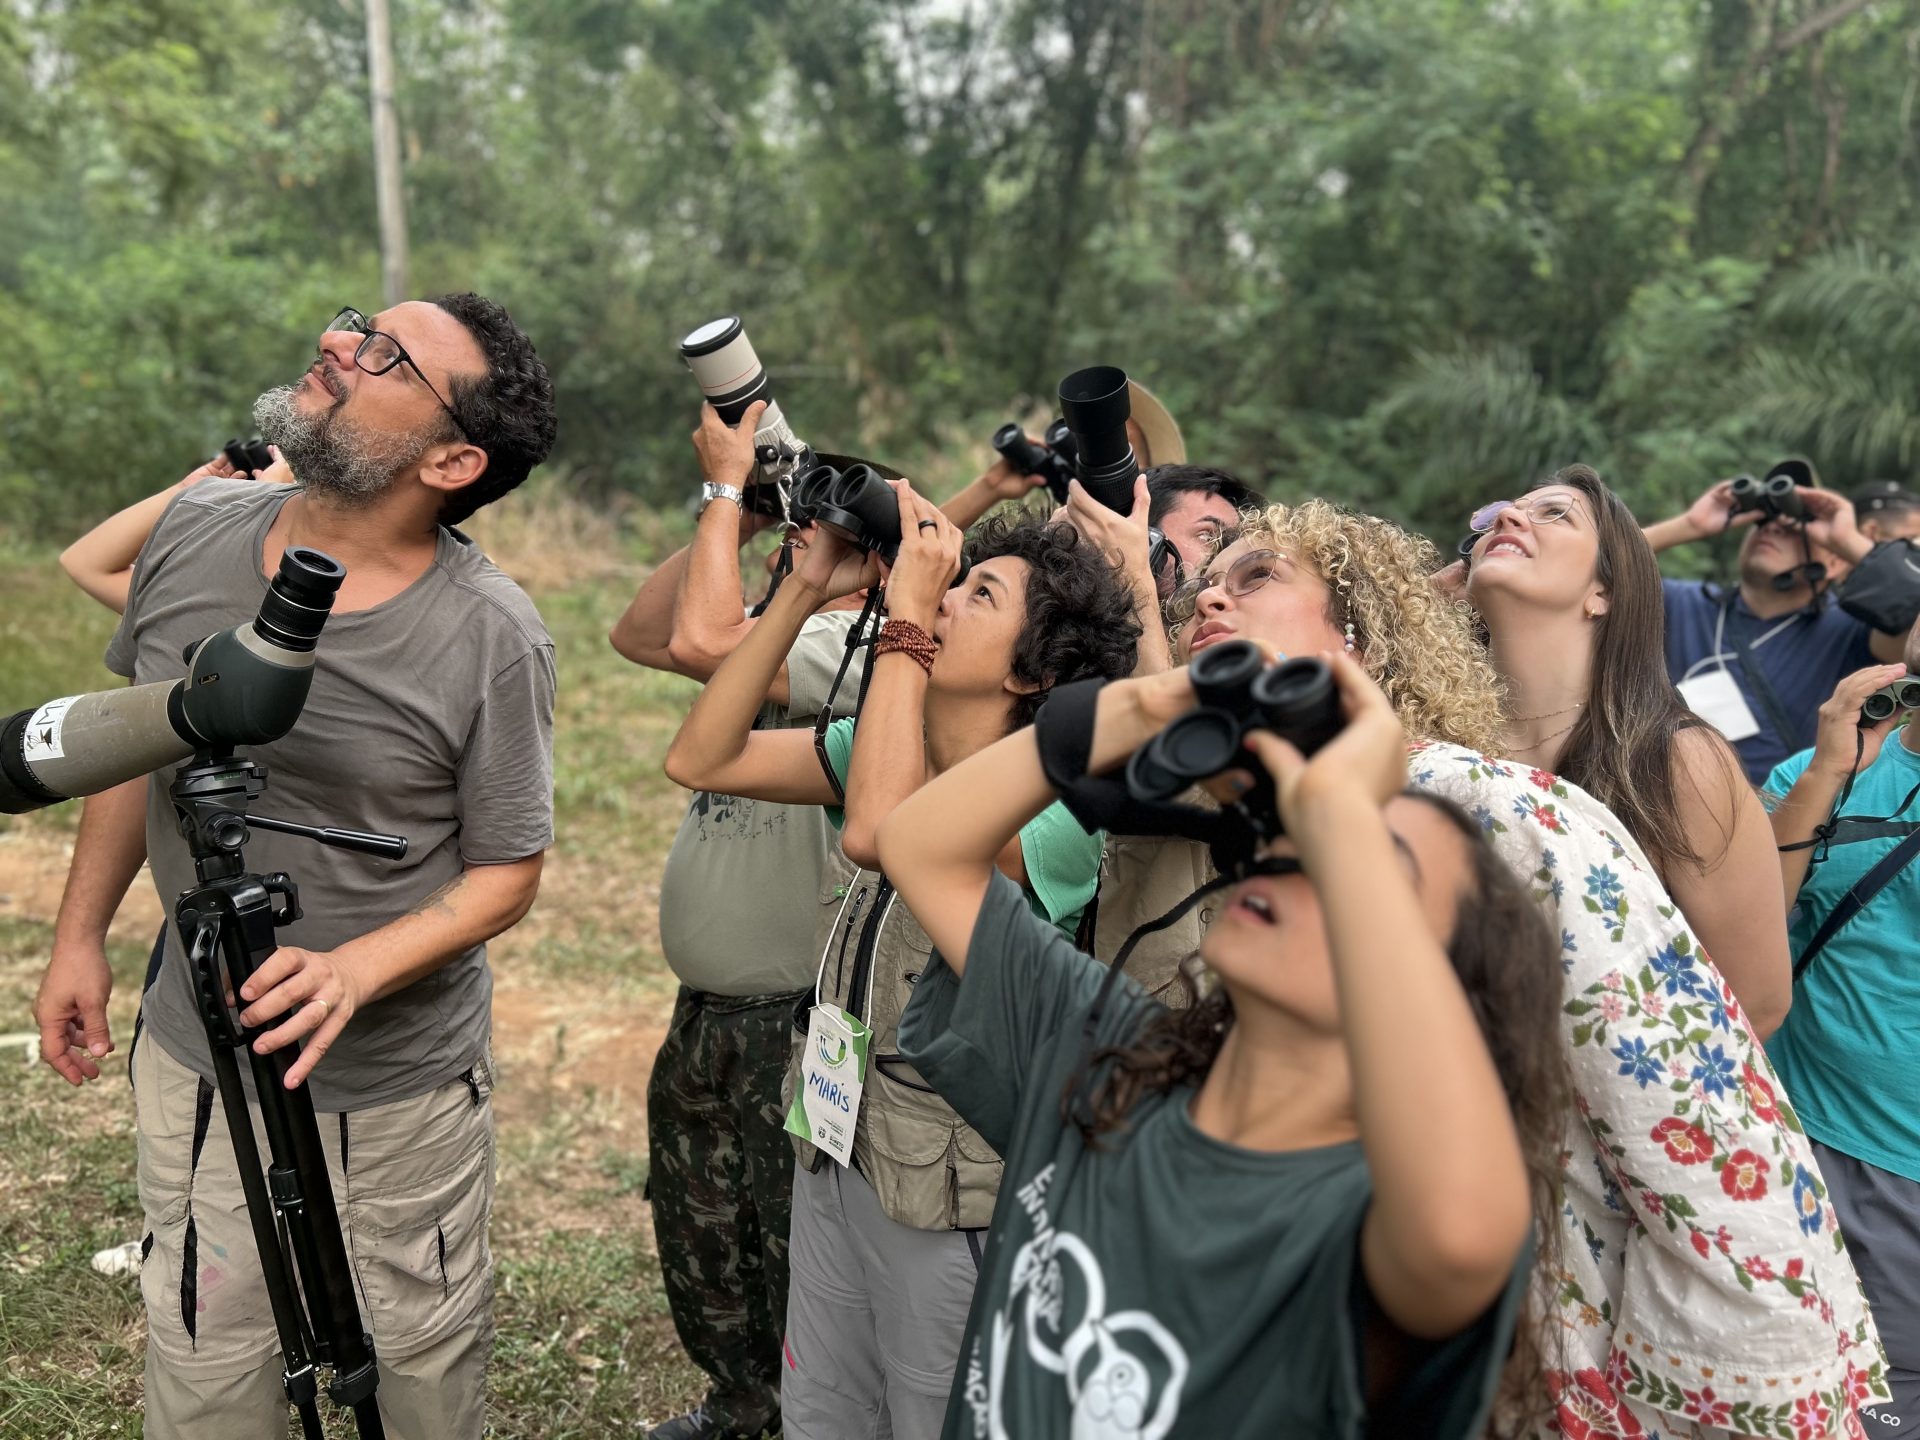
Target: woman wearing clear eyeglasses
point(1569, 592)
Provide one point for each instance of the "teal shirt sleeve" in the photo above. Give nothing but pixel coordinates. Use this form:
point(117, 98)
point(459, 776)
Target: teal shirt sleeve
point(1063, 864)
point(840, 757)
point(1787, 774)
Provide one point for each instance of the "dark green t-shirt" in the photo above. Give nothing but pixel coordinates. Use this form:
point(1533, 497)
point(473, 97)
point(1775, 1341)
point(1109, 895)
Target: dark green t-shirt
point(1167, 1284)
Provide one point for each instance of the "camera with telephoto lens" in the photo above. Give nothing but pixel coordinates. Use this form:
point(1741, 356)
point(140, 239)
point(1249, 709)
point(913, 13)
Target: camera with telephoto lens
point(1902, 694)
point(1052, 459)
point(249, 457)
point(1776, 496)
point(732, 378)
point(1095, 403)
point(1239, 692)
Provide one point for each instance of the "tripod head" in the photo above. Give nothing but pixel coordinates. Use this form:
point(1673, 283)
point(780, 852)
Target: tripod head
point(211, 795)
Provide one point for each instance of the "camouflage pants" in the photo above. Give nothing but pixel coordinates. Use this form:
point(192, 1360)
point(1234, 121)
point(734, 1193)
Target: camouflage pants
point(721, 1182)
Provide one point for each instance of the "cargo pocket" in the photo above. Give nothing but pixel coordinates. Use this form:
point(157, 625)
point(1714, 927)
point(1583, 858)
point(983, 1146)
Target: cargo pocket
point(977, 1172)
point(911, 1135)
point(420, 1243)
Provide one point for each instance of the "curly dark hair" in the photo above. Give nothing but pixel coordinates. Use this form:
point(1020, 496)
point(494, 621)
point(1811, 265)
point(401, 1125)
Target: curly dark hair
point(509, 414)
point(1080, 620)
point(1507, 959)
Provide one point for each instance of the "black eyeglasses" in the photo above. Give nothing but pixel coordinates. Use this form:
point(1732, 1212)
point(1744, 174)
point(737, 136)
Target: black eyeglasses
point(378, 352)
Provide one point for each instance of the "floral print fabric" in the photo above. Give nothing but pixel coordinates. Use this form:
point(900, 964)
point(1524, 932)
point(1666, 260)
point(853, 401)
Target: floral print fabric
point(1703, 1289)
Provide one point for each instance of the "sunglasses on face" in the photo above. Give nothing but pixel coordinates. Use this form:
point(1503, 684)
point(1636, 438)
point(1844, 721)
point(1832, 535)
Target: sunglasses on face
point(1540, 509)
point(378, 352)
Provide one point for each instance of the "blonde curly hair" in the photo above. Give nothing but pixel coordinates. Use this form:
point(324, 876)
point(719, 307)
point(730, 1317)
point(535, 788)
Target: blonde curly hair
point(1417, 645)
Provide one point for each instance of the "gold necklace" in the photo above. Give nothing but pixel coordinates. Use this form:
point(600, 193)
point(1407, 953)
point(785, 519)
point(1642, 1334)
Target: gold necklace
point(1523, 749)
point(1529, 719)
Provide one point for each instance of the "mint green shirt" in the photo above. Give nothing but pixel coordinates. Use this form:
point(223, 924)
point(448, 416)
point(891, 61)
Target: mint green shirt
point(1062, 859)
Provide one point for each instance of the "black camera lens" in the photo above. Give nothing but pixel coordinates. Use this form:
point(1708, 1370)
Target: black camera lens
point(1300, 703)
point(1095, 403)
point(1223, 674)
point(299, 599)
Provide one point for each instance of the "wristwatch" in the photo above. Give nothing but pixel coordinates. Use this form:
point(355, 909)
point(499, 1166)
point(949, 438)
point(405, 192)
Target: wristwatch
point(710, 492)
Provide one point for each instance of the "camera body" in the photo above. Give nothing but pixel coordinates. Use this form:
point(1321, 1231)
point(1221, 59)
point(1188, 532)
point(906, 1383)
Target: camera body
point(1239, 692)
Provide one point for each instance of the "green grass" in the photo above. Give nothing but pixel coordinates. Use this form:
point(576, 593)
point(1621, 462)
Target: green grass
point(585, 1345)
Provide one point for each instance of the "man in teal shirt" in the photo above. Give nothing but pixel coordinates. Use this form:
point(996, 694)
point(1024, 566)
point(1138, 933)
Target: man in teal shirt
point(1846, 1051)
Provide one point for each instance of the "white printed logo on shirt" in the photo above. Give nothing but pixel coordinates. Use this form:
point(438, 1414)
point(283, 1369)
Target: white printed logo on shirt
point(1123, 1371)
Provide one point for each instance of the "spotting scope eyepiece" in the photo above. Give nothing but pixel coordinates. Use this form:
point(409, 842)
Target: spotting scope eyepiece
point(244, 686)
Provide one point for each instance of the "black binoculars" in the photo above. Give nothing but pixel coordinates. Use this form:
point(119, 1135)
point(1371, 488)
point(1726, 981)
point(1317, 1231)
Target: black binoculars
point(1053, 458)
point(858, 505)
point(249, 457)
point(1238, 692)
point(1774, 497)
point(1902, 694)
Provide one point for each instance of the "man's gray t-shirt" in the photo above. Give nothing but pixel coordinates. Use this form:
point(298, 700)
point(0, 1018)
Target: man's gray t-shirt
point(746, 880)
point(431, 717)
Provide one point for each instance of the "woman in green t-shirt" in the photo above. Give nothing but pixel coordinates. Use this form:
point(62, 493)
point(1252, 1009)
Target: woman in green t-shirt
point(1301, 1208)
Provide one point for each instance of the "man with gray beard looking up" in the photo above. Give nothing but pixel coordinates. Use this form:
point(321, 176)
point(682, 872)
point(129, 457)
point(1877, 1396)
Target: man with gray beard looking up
point(431, 717)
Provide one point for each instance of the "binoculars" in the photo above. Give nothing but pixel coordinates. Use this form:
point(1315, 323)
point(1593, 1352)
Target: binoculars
point(1053, 459)
point(1238, 692)
point(1902, 694)
point(249, 457)
point(1777, 495)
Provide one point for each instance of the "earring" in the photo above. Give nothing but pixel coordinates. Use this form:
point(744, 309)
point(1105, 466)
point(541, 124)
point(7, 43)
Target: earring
point(1349, 637)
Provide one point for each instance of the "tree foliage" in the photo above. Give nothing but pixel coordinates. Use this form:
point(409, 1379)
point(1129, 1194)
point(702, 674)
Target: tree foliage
point(1408, 253)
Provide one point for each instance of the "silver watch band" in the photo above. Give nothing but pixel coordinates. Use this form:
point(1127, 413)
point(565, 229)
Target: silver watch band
point(710, 492)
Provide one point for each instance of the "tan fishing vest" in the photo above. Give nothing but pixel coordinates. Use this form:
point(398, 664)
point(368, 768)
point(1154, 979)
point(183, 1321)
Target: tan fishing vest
point(929, 1168)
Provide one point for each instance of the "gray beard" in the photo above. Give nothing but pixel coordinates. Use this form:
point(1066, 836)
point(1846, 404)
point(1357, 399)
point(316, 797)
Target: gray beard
point(332, 456)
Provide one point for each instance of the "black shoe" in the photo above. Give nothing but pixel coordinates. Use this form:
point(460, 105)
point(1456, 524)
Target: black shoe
point(700, 1424)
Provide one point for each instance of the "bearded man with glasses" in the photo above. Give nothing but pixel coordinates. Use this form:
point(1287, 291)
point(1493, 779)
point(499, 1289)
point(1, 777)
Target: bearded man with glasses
point(431, 716)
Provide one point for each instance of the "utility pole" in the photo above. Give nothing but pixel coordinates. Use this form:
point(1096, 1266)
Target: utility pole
point(386, 155)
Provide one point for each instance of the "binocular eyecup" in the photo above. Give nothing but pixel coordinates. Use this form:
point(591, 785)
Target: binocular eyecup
point(1238, 692)
point(858, 505)
point(1053, 459)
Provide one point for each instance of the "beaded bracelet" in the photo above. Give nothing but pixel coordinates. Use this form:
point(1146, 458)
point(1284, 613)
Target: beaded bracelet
point(903, 637)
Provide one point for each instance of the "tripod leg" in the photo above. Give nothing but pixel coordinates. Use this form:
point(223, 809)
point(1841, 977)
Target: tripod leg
point(302, 1194)
point(297, 1375)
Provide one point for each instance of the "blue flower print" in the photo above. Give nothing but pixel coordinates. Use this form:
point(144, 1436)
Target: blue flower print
point(1715, 1072)
point(1635, 1061)
point(1678, 971)
point(1604, 886)
point(1806, 1201)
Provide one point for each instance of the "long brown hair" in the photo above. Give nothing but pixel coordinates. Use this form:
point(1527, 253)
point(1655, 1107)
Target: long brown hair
point(1620, 750)
point(1508, 961)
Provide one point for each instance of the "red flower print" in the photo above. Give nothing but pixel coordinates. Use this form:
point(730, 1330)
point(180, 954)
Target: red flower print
point(1686, 1144)
point(1796, 1266)
point(1588, 1409)
point(1723, 1238)
point(1744, 1177)
point(1545, 779)
point(1652, 1202)
point(1811, 1418)
point(1759, 1267)
point(1708, 1408)
point(1760, 1095)
point(1700, 1244)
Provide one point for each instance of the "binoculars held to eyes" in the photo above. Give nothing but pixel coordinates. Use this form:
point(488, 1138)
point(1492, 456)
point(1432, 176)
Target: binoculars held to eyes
point(249, 457)
point(1238, 692)
point(1775, 497)
point(1902, 694)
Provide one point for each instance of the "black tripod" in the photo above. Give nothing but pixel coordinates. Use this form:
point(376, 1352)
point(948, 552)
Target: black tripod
point(230, 916)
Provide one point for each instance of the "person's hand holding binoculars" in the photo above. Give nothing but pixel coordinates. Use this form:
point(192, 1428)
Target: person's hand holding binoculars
point(1359, 770)
point(928, 560)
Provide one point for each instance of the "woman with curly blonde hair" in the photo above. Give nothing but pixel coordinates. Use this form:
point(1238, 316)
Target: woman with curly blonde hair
point(1315, 577)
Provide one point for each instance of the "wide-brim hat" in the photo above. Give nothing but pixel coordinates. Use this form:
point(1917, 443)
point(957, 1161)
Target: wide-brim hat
point(844, 463)
point(1165, 445)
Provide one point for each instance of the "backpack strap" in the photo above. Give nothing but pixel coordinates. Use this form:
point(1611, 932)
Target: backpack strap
point(1856, 898)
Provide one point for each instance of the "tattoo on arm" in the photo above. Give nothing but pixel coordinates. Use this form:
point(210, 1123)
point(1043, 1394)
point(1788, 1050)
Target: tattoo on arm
point(440, 902)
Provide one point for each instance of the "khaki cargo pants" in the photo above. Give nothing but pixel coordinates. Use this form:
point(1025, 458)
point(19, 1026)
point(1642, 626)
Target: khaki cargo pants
point(413, 1181)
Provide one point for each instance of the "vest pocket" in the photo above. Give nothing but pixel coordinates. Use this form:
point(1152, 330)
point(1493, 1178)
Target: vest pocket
point(911, 1135)
point(977, 1177)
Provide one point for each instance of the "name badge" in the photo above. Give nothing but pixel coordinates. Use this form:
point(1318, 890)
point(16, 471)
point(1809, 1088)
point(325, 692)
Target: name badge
point(833, 1072)
point(1715, 697)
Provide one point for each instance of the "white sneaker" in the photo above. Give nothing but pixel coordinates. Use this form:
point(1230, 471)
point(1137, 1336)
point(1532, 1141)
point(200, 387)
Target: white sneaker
point(120, 1260)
